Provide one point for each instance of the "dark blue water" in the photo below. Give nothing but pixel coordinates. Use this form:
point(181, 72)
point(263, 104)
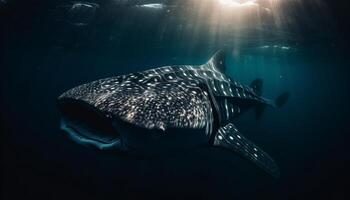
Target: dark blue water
point(46, 50)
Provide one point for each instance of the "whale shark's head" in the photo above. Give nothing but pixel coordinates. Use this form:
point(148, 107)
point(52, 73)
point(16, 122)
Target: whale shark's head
point(88, 126)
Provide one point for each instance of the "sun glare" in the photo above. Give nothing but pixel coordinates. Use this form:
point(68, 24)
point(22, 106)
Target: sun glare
point(235, 3)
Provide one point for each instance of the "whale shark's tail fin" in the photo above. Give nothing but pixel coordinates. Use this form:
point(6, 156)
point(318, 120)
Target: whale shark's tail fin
point(278, 103)
point(282, 99)
point(257, 86)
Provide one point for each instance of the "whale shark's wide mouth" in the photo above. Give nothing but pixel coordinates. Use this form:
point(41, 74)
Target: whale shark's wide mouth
point(88, 126)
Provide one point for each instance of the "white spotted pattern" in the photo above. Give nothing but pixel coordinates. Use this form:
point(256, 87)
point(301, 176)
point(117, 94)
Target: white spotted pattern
point(229, 137)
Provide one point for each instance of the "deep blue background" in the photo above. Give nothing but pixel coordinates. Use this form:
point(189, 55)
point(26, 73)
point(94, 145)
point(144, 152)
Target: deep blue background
point(41, 58)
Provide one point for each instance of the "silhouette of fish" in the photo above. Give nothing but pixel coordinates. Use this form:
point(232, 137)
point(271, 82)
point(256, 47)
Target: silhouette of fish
point(166, 109)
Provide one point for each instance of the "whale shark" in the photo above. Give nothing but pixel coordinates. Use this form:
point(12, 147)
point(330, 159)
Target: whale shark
point(167, 109)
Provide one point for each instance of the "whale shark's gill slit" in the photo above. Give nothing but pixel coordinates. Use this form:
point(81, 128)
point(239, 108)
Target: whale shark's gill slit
point(87, 125)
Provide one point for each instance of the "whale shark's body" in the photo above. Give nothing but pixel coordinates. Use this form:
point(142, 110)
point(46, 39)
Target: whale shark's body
point(165, 109)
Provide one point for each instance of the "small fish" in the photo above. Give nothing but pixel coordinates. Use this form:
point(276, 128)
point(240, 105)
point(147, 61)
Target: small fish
point(166, 109)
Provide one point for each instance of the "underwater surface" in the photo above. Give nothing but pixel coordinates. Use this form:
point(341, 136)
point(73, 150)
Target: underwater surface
point(48, 47)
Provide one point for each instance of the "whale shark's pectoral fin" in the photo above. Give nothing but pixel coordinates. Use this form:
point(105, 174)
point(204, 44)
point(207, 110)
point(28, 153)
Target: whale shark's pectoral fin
point(229, 137)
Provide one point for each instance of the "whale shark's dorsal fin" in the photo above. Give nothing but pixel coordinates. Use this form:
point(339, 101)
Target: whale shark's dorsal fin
point(217, 61)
